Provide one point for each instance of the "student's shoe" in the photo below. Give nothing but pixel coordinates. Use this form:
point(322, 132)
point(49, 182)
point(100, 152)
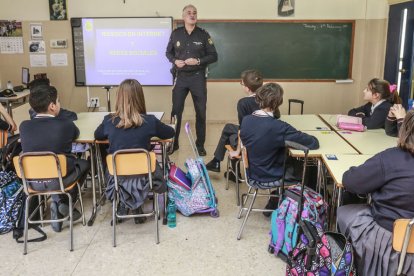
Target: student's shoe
point(139, 211)
point(64, 211)
point(232, 177)
point(213, 166)
point(201, 151)
point(54, 214)
point(121, 210)
point(272, 204)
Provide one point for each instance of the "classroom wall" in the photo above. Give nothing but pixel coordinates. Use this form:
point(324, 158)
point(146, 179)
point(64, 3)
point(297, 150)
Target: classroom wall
point(319, 97)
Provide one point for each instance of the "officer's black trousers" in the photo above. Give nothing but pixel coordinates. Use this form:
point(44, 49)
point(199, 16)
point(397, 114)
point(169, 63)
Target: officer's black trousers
point(196, 85)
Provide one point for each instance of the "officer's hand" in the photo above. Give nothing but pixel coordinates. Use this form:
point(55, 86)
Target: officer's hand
point(191, 61)
point(179, 63)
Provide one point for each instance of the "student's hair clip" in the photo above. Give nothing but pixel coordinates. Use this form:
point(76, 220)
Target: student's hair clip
point(393, 88)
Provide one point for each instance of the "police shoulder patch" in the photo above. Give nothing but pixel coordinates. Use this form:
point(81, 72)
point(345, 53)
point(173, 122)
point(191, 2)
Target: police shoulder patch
point(210, 41)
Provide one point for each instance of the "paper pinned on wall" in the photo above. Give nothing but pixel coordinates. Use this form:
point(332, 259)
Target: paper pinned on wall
point(59, 59)
point(38, 60)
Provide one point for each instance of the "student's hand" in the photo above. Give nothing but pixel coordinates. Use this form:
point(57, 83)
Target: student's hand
point(399, 111)
point(13, 127)
point(179, 63)
point(191, 61)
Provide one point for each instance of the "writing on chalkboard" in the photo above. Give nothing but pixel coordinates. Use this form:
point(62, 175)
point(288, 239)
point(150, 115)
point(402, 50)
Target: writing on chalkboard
point(324, 26)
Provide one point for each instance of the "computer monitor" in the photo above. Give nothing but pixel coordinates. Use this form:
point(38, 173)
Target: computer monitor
point(25, 76)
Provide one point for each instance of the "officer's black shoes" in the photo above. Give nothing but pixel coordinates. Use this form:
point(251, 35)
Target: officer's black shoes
point(201, 151)
point(213, 166)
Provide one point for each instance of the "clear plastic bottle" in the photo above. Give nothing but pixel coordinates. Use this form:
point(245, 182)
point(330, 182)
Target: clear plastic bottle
point(9, 85)
point(171, 216)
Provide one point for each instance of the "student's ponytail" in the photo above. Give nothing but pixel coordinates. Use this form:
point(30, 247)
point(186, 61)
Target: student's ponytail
point(394, 97)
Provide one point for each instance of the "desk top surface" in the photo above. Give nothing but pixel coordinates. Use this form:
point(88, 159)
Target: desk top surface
point(369, 142)
point(329, 143)
point(88, 122)
point(305, 122)
point(19, 95)
point(338, 167)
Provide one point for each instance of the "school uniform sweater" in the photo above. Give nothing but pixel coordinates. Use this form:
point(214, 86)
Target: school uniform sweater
point(49, 134)
point(133, 137)
point(377, 118)
point(389, 177)
point(247, 105)
point(264, 138)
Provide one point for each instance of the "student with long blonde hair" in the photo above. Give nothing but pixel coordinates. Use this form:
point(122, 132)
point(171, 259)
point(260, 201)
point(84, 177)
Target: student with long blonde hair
point(130, 127)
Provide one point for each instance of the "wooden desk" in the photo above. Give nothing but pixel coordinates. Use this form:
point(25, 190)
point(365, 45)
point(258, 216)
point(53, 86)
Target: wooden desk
point(329, 142)
point(369, 142)
point(18, 100)
point(305, 122)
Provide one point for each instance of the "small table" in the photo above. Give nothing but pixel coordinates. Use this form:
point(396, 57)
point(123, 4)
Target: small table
point(368, 142)
point(17, 100)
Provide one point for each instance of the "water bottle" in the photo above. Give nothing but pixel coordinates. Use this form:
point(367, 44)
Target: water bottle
point(9, 85)
point(171, 217)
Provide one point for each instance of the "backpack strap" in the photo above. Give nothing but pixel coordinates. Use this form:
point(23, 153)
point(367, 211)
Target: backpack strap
point(39, 239)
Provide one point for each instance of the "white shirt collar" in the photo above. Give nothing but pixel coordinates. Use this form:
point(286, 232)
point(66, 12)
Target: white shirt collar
point(376, 105)
point(261, 113)
point(44, 116)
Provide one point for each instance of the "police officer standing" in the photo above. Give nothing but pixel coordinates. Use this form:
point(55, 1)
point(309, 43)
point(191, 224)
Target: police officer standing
point(190, 49)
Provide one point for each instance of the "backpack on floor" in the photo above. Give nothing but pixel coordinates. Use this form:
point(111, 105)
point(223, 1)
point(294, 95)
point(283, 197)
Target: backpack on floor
point(11, 191)
point(320, 253)
point(284, 220)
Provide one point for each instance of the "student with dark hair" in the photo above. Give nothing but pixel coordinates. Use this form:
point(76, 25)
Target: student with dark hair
point(251, 80)
point(394, 120)
point(380, 99)
point(388, 177)
point(48, 132)
point(130, 127)
point(264, 137)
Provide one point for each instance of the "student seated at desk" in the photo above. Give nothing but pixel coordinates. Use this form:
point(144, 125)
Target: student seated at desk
point(380, 98)
point(389, 177)
point(131, 128)
point(264, 137)
point(251, 80)
point(48, 132)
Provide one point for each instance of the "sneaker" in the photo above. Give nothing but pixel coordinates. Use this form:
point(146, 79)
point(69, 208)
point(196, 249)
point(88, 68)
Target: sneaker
point(213, 166)
point(139, 211)
point(201, 151)
point(64, 211)
point(232, 177)
point(54, 214)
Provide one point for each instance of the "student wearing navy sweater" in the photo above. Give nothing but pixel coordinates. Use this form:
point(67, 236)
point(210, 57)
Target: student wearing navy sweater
point(130, 128)
point(49, 132)
point(380, 99)
point(389, 178)
point(251, 80)
point(264, 137)
point(394, 120)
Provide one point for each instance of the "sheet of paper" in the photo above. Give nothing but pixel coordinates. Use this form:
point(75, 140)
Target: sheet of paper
point(11, 45)
point(38, 60)
point(59, 59)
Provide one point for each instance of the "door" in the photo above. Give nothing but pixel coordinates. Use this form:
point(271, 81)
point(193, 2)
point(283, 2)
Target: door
point(399, 54)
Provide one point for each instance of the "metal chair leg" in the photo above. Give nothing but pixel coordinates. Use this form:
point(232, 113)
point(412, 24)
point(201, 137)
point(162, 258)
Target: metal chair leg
point(41, 205)
point(228, 172)
point(247, 214)
point(26, 224)
point(81, 206)
point(156, 210)
point(114, 221)
point(70, 221)
point(237, 184)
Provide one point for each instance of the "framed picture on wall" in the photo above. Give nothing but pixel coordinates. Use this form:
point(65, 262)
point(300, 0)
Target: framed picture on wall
point(58, 10)
point(286, 7)
point(36, 31)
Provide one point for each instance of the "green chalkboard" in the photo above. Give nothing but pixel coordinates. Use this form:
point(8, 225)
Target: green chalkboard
point(283, 50)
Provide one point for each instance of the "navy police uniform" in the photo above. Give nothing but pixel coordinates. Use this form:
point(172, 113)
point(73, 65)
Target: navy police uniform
point(191, 78)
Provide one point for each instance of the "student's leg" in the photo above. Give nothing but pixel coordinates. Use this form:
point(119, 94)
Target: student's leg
point(228, 130)
point(198, 89)
point(179, 94)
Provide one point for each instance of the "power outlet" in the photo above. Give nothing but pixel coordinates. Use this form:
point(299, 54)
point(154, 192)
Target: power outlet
point(93, 102)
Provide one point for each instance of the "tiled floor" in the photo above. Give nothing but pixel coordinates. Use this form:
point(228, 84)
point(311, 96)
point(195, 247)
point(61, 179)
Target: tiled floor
point(199, 245)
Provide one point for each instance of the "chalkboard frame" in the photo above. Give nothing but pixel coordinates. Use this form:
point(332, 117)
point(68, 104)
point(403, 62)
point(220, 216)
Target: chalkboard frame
point(179, 22)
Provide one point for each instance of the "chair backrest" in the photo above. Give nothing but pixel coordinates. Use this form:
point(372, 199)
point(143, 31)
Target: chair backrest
point(296, 101)
point(402, 230)
point(131, 162)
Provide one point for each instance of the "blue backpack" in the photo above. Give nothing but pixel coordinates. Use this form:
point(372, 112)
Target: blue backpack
point(284, 220)
point(11, 199)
